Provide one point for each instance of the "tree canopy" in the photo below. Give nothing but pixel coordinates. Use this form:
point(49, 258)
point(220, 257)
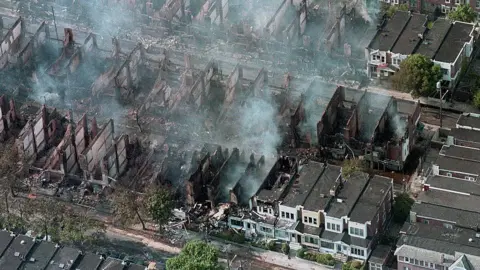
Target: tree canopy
point(417, 75)
point(463, 13)
point(128, 207)
point(350, 166)
point(196, 255)
point(391, 9)
point(160, 203)
point(476, 99)
point(401, 207)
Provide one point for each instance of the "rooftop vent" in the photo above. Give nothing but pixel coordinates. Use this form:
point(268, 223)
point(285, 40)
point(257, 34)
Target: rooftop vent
point(22, 242)
point(339, 200)
point(322, 195)
point(32, 259)
point(470, 239)
point(61, 265)
point(477, 235)
point(16, 254)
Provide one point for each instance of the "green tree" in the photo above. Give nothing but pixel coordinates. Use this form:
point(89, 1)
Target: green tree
point(463, 13)
point(350, 166)
point(79, 228)
point(160, 203)
point(196, 255)
point(401, 207)
point(127, 207)
point(417, 75)
point(476, 99)
point(390, 10)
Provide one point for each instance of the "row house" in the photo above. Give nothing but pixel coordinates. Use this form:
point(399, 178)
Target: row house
point(396, 40)
point(355, 234)
point(466, 132)
point(458, 162)
point(447, 44)
point(319, 209)
point(422, 246)
point(434, 6)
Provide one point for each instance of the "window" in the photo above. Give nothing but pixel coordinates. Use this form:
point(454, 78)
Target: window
point(356, 231)
point(444, 70)
point(311, 240)
point(426, 221)
point(305, 219)
point(454, 8)
point(315, 221)
point(310, 220)
point(376, 57)
point(422, 263)
point(375, 266)
point(283, 214)
point(448, 225)
point(477, 4)
point(338, 228)
point(265, 210)
point(357, 251)
point(327, 245)
point(383, 59)
point(449, 174)
point(406, 268)
point(265, 230)
point(457, 2)
point(469, 178)
point(407, 259)
point(235, 222)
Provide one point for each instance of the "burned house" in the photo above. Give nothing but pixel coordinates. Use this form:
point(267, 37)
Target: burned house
point(357, 123)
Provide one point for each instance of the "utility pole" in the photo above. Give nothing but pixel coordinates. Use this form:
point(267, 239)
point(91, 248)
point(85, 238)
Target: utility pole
point(439, 88)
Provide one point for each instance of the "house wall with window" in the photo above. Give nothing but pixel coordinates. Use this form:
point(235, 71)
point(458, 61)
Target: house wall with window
point(288, 213)
point(334, 224)
point(266, 230)
point(311, 241)
point(405, 263)
point(359, 252)
point(357, 229)
point(311, 218)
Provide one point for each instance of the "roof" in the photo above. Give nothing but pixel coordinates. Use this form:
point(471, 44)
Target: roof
point(371, 199)
point(407, 107)
point(89, 261)
point(451, 200)
point(460, 217)
point(439, 239)
point(5, 239)
point(306, 229)
point(309, 174)
point(434, 37)
point(349, 193)
point(465, 134)
point(453, 184)
point(320, 194)
point(66, 256)
point(453, 44)
point(409, 38)
point(469, 120)
point(386, 37)
point(380, 254)
point(345, 238)
point(136, 267)
point(112, 264)
point(458, 165)
point(461, 152)
point(17, 252)
point(42, 253)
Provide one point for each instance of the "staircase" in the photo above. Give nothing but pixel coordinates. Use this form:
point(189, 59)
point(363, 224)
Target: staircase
point(340, 257)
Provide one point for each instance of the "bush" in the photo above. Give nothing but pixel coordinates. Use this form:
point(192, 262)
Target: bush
point(301, 253)
point(231, 236)
point(285, 248)
point(271, 245)
point(352, 265)
point(325, 259)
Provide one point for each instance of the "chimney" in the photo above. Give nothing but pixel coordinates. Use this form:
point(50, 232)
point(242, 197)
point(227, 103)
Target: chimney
point(332, 192)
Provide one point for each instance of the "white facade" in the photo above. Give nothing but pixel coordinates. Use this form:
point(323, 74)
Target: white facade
point(288, 213)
